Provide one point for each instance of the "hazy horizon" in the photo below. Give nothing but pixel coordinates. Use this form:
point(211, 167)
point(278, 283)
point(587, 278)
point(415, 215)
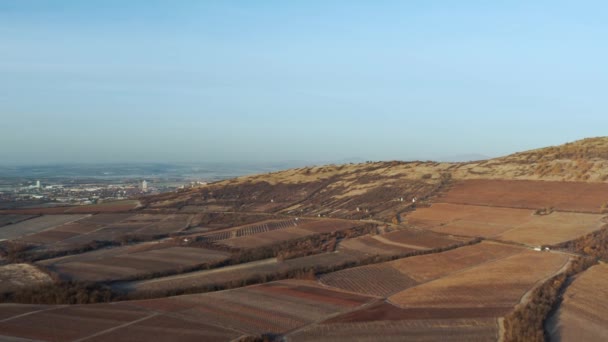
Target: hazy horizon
point(274, 81)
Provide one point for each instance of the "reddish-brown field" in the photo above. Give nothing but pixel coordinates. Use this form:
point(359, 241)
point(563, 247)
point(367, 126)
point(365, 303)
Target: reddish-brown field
point(102, 227)
point(127, 262)
point(569, 196)
point(517, 225)
point(390, 277)
point(369, 246)
point(421, 239)
point(380, 280)
point(273, 307)
point(67, 323)
point(266, 238)
point(480, 329)
point(238, 273)
point(583, 313)
point(383, 311)
point(500, 283)
point(36, 225)
point(276, 307)
point(425, 268)
point(250, 229)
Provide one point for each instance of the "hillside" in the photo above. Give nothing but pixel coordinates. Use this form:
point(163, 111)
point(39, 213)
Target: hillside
point(583, 160)
point(403, 250)
point(384, 190)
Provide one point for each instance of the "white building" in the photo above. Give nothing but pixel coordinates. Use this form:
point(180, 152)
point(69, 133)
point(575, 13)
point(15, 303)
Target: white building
point(144, 185)
point(38, 184)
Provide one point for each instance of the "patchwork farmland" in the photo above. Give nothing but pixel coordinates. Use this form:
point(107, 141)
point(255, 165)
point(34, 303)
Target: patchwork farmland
point(386, 251)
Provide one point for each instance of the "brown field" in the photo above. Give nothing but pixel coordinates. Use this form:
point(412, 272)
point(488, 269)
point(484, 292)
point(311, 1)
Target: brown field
point(236, 274)
point(481, 329)
point(17, 276)
point(8, 310)
point(127, 262)
point(12, 219)
point(249, 229)
point(368, 245)
point(500, 283)
point(167, 328)
point(276, 307)
point(108, 207)
point(424, 268)
point(517, 225)
point(583, 313)
point(48, 236)
point(326, 226)
point(380, 280)
point(390, 277)
point(421, 239)
point(104, 227)
point(383, 311)
point(266, 238)
point(104, 219)
point(36, 225)
point(569, 196)
point(553, 229)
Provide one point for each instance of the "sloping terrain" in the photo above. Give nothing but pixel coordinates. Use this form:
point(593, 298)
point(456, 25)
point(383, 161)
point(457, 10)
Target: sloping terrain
point(374, 251)
point(583, 314)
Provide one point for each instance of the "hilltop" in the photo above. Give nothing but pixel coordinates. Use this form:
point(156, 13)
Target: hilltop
point(385, 190)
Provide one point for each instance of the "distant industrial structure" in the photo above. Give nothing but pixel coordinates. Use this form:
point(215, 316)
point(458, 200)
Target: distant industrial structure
point(144, 186)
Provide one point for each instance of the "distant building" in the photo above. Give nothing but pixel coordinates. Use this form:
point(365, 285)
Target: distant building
point(38, 184)
point(144, 185)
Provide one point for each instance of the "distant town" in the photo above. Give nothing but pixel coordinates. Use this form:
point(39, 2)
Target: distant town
point(83, 184)
point(71, 192)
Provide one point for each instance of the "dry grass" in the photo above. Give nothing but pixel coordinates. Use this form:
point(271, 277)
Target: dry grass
point(18, 276)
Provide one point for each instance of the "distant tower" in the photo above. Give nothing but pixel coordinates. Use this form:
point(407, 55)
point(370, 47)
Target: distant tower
point(144, 185)
point(38, 184)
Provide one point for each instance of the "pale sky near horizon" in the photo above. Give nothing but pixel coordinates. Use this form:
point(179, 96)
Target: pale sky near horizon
point(266, 81)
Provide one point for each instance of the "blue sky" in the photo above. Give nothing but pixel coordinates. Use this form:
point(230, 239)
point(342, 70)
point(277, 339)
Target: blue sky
point(175, 81)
